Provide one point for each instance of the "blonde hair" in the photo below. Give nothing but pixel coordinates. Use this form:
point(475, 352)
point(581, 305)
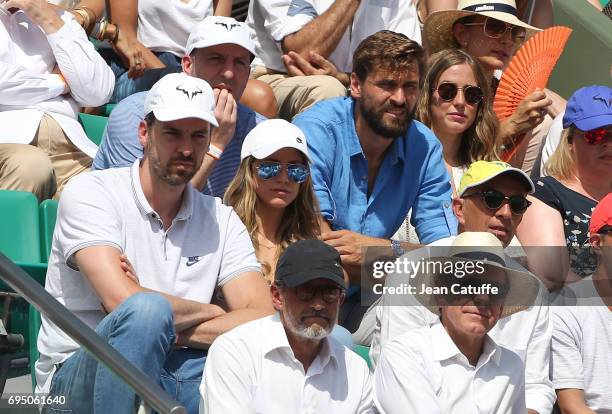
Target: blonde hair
point(479, 141)
point(561, 164)
point(300, 218)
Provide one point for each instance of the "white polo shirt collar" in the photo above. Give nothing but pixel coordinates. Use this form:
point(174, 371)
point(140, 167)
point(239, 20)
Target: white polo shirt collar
point(444, 348)
point(184, 212)
point(276, 338)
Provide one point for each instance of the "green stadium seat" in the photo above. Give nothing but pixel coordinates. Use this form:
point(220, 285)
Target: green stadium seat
point(94, 126)
point(19, 239)
point(364, 352)
point(48, 213)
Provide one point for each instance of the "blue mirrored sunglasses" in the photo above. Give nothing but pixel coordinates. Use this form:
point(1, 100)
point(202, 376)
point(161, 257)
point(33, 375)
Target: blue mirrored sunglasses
point(270, 169)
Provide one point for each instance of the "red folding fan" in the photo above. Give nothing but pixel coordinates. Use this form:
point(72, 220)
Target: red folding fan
point(529, 69)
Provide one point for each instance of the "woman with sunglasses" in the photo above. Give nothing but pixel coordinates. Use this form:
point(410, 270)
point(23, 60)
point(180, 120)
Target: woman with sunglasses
point(272, 191)
point(455, 104)
point(491, 32)
point(579, 175)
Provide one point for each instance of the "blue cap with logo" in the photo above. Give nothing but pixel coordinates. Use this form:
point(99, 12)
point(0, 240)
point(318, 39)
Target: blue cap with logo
point(589, 108)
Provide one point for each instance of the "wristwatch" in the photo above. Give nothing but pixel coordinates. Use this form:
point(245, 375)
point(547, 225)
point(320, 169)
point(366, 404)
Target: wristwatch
point(397, 248)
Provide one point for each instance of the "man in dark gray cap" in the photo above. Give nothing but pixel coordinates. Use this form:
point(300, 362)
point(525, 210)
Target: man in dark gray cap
point(292, 349)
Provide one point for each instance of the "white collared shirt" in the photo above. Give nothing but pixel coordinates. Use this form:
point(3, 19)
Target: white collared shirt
point(423, 371)
point(29, 89)
point(252, 369)
point(527, 333)
point(272, 20)
point(205, 247)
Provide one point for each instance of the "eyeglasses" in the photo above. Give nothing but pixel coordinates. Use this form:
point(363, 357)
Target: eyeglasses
point(448, 91)
point(496, 29)
point(330, 294)
point(270, 169)
point(495, 199)
point(605, 229)
point(596, 136)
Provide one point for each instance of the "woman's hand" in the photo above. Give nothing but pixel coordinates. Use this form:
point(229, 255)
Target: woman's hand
point(528, 115)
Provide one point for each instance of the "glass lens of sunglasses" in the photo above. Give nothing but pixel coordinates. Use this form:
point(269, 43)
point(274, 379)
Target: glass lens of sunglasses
point(518, 204)
point(493, 199)
point(473, 94)
point(495, 28)
point(267, 170)
point(519, 33)
point(595, 136)
point(447, 91)
point(297, 173)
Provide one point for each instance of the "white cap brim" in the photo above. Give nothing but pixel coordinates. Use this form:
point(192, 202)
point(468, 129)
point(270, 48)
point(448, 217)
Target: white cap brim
point(173, 114)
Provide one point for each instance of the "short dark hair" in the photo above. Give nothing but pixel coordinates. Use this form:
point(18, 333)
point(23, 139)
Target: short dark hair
point(389, 51)
point(149, 119)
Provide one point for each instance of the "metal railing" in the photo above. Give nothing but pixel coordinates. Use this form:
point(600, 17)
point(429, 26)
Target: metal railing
point(151, 393)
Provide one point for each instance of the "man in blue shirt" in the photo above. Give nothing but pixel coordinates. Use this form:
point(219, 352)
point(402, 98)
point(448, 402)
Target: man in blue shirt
point(219, 50)
point(372, 162)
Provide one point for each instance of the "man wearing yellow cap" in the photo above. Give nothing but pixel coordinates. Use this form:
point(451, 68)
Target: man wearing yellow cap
point(492, 198)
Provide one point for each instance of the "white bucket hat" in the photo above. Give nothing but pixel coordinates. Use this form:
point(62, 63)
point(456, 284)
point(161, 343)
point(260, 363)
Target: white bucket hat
point(438, 26)
point(484, 247)
point(271, 135)
point(180, 96)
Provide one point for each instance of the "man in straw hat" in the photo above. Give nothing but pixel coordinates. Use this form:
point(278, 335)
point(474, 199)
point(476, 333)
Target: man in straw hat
point(582, 336)
point(491, 199)
point(453, 365)
point(491, 32)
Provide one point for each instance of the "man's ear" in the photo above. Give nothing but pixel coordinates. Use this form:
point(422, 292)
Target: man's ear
point(277, 299)
point(595, 242)
point(187, 64)
point(458, 204)
point(355, 86)
point(143, 133)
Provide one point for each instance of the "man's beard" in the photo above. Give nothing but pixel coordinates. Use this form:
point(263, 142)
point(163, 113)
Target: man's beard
point(308, 332)
point(174, 179)
point(390, 129)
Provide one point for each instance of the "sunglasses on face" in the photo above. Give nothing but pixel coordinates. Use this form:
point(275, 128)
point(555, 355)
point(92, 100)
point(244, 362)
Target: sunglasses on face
point(605, 230)
point(330, 294)
point(597, 136)
point(448, 91)
point(497, 29)
point(270, 169)
point(495, 199)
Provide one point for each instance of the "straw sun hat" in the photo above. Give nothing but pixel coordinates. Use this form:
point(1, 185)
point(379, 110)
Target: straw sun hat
point(479, 246)
point(439, 25)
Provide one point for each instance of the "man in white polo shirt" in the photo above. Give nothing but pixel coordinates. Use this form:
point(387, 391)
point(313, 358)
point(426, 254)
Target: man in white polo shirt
point(453, 365)
point(582, 335)
point(182, 245)
point(288, 363)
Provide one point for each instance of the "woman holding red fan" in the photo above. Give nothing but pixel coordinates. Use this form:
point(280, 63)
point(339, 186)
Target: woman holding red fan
point(491, 32)
point(579, 175)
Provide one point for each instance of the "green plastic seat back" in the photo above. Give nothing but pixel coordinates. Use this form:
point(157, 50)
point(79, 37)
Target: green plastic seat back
point(364, 352)
point(48, 214)
point(94, 126)
point(20, 235)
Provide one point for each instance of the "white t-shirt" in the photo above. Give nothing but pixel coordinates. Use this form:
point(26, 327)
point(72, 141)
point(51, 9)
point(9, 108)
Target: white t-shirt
point(527, 333)
point(582, 346)
point(551, 142)
point(164, 26)
point(205, 247)
point(272, 20)
point(252, 369)
point(423, 371)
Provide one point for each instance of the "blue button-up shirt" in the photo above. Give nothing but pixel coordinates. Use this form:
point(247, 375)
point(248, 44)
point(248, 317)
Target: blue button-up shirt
point(411, 176)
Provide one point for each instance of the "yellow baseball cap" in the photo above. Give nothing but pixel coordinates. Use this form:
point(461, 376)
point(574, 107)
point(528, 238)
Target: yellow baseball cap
point(480, 172)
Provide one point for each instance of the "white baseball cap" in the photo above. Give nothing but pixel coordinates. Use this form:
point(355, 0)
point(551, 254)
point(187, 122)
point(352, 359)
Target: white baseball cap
point(219, 30)
point(271, 135)
point(180, 96)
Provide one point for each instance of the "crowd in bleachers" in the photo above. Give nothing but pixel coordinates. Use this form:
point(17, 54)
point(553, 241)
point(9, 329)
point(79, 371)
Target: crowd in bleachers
point(238, 232)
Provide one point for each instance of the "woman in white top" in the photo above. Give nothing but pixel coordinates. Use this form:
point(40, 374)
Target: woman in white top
point(455, 103)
